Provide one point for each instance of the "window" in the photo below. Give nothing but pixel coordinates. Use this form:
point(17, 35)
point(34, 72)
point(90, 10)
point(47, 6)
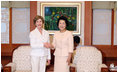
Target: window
point(20, 22)
point(20, 25)
point(4, 25)
point(101, 27)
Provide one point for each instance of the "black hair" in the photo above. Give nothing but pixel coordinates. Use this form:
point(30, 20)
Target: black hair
point(63, 18)
point(77, 39)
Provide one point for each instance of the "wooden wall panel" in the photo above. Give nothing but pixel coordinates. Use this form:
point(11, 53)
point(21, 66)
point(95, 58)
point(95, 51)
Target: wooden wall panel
point(88, 23)
point(6, 49)
point(5, 60)
point(107, 50)
point(112, 28)
point(33, 13)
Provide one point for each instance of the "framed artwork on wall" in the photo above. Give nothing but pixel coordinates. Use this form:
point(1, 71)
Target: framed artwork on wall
point(52, 11)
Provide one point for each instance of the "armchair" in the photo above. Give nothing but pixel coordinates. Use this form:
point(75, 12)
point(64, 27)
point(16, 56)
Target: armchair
point(20, 60)
point(88, 59)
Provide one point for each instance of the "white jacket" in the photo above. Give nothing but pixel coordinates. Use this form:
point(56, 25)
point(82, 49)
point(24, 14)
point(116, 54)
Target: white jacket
point(37, 41)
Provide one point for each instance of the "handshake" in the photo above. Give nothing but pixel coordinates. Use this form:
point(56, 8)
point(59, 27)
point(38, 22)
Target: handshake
point(48, 45)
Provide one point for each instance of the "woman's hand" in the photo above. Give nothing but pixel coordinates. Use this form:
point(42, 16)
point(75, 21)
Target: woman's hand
point(69, 59)
point(46, 45)
point(48, 62)
point(50, 45)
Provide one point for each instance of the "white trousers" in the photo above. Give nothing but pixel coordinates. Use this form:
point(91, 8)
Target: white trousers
point(38, 63)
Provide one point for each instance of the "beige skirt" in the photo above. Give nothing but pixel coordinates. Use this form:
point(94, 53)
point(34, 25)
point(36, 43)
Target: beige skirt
point(61, 64)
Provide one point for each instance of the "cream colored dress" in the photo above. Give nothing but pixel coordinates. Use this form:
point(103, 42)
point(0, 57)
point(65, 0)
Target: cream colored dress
point(63, 43)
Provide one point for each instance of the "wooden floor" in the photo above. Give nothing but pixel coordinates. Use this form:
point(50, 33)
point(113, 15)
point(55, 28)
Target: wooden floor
point(51, 69)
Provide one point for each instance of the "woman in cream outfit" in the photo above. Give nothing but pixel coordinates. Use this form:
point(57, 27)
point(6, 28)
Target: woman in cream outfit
point(40, 52)
point(63, 44)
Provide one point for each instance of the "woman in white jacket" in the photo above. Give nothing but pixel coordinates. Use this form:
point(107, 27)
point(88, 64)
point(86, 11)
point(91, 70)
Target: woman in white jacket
point(38, 42)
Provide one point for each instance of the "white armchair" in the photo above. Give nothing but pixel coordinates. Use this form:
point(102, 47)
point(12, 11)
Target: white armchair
point(20, 60)
point(88, 59)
